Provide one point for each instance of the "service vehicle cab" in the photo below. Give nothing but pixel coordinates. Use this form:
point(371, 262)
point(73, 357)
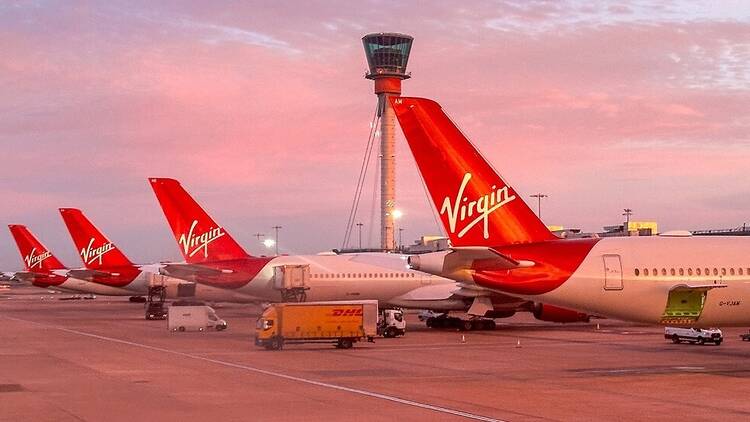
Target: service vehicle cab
point(694, 335)
point(391, 323)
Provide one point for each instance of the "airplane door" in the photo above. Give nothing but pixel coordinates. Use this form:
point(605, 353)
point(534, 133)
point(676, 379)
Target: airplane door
point(612, 272)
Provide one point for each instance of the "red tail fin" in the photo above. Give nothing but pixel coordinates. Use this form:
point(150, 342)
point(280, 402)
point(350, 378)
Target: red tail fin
point(36, 257)
point(199, 237)
point(95, 250)
point(476, 206)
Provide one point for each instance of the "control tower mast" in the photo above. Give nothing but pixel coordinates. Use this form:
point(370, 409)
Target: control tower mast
point(387, 56)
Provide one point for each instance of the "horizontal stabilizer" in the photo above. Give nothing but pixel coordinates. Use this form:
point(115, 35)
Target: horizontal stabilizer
point(185, 271)
point(479, 257)
point(89, 275)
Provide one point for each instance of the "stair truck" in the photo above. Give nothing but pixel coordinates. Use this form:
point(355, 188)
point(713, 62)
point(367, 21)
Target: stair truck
point(341, 323)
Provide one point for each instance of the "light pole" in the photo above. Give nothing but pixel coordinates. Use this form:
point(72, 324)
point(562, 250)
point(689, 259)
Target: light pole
point(276, 229)
point(259, 235)
point(400, 243)
point(539, 197)
point(359, 226)
point(628, 212)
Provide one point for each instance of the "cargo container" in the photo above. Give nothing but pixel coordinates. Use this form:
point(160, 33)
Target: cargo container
point(340, 323)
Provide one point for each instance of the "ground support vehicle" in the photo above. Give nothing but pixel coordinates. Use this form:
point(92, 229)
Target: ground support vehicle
point(156, 307)
point(194, 318)
point(693, 335)
point(342, 323)
point(437, 320)
point(391, 323)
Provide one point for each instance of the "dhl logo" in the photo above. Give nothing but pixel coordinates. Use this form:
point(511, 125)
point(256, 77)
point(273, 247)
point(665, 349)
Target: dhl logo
point(347, 312)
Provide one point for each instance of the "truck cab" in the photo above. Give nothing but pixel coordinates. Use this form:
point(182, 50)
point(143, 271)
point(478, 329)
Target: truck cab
point(391, 323)
point(266, 329)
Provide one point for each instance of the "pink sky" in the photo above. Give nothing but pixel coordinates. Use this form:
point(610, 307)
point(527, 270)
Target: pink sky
point(261, 110)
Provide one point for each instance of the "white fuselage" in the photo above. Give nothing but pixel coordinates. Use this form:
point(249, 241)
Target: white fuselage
point(372, 276)
point(650, 268)
point(84, 286)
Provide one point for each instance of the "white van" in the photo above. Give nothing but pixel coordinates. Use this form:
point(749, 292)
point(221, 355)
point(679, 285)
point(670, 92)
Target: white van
point(694, 335)
point(194, 318)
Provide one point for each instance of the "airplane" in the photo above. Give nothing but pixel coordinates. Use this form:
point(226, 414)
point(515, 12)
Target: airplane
point(214, 258)
point(500, 244)
point(106, 264)
point(43, 269)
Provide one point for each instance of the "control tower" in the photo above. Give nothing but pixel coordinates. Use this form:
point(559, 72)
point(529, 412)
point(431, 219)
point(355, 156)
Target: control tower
point(387, 55)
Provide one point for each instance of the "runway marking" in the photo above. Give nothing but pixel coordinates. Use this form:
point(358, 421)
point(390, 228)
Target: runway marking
point(366, 393)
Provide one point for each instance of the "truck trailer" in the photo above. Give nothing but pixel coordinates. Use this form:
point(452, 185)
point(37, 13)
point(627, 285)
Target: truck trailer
point(341, 323)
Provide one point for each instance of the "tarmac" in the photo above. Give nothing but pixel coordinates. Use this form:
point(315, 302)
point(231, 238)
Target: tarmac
point(94, 360)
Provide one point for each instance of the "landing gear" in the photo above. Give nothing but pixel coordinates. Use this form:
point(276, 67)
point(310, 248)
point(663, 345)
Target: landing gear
point(474, 324)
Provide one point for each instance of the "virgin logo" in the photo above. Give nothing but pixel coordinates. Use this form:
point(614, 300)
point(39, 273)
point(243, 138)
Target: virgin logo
point(32, 260)
point(193, 243)
point(471, 213)
point(90, 254)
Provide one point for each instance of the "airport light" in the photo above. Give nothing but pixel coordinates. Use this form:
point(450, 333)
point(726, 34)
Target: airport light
point(276, 239)
point(539, 197)
point(359, 227)
point(269, 243)
point(628, 212)
point(397, 214)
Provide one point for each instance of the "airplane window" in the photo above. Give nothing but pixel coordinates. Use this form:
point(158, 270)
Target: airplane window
point(707, 272)
point(663, 271)
point(655, 272)
point(731, 271)
point(637, 272)
point(682, 272)
point(645, 271)
point(716, 272)
point(723, 271)
point(690, 271)
point(671, 271)
point(697, 271)
point(739, 271)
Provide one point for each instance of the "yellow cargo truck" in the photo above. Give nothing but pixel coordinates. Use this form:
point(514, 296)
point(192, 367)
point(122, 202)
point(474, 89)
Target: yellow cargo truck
point(341, 323)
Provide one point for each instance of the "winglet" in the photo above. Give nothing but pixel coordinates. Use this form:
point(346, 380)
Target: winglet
point(95, 250)
point(477, 207)
point(198, 236)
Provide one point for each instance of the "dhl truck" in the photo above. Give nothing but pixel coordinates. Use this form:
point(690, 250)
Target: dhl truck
point(341, 323)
